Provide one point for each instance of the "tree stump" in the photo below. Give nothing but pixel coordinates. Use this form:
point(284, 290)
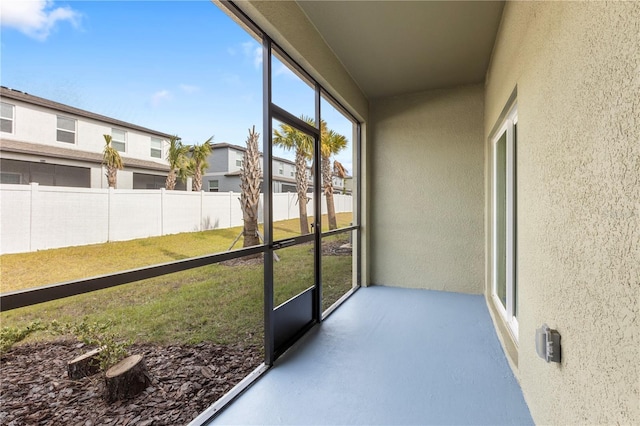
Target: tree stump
point(85, 365)
point(126, 379)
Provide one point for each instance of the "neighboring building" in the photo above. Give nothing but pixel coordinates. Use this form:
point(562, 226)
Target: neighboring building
point(58, 145)
point(348, 185)
point(225, 162)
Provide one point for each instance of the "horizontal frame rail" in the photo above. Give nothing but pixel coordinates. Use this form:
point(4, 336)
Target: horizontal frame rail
point(288, 242)
point(340, 230)
point(287, 118)
point(23, 298)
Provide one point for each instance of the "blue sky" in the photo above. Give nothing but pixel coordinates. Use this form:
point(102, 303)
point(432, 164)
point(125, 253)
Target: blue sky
point(179, 67)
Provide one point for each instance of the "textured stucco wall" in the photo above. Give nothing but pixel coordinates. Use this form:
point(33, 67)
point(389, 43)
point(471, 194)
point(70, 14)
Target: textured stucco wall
point(427, 190)
point(577, 71)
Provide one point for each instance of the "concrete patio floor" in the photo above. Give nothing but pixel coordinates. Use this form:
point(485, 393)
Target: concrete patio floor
point(390, 356)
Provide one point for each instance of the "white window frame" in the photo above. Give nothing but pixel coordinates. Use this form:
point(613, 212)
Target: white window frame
point(216, 187)
point(239, 158)
point(113, 139)
point(156, 149)
point(281, 168)
point(508, 313)
point(60, 129)
point(12, 119)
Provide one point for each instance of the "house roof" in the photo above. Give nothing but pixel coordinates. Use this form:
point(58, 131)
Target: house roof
point(73, 154)
point(6, 93)
point(397, 47)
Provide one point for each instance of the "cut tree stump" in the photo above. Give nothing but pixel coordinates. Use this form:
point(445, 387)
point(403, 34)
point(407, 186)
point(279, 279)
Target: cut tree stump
point(126, 379)
point(85, 365)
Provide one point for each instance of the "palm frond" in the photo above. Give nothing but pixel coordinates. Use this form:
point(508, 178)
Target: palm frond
point(110, 155)
point(339, 170)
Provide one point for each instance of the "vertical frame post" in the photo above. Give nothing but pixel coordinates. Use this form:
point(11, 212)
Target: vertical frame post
point(317, 195)
point(267, 184)
point(358, 188)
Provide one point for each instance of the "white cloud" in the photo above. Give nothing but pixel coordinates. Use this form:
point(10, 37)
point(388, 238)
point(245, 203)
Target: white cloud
point(188, 88)
point(282, 69)
point(35, 18)
point(253, 53)
point(160, 96)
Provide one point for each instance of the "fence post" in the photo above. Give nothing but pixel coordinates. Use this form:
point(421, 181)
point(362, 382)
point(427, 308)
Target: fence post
point(110, 213)
point(201, 208)
point(162, 195)
point(32, 200)
point(230, 209)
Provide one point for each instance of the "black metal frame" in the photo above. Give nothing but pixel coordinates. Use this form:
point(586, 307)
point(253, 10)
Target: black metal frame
point(23, 298)
point(288, 321)
point(267, 190)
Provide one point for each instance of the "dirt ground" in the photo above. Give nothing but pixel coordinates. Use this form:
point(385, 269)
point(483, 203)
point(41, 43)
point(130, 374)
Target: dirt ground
point(35, 389)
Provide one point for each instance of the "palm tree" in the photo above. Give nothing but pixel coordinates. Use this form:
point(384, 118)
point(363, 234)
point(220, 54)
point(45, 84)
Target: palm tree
point(112, 161)
point(291, 139)
point(332, 143)
point(176, 156)
point(250, 178)
point(198, 163)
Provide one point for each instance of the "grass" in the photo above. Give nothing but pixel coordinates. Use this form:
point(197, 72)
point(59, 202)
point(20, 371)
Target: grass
point(215, 303)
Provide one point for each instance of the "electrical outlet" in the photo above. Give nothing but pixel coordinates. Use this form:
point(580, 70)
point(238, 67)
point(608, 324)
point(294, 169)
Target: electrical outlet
point(548, 344)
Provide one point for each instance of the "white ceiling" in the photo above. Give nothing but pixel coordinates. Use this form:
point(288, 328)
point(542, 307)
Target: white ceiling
point(398, 47)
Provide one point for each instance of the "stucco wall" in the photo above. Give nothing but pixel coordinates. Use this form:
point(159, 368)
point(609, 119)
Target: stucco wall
point(577, 71)
point(427, 190)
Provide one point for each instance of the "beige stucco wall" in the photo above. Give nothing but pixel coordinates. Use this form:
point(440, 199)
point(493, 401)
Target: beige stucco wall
point(577, 71)
point(427, 190)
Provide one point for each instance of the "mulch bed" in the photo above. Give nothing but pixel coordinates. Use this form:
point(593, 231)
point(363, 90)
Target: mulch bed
point(35, 389)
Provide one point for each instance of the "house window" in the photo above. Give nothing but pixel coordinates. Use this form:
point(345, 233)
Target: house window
point(239, 156)
point(8, 177)
point(156, 147)
point(504, 286)
point(213, 186)
point(66, 130)
point(6, 117)
point(281, 169)
point(292, 173)
point(119, 140)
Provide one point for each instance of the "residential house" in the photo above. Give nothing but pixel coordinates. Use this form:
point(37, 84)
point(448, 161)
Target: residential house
point(59, 145)
point(225, 162)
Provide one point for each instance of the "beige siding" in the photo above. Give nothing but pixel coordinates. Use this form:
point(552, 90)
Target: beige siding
point(427, 191)
point(577, 71)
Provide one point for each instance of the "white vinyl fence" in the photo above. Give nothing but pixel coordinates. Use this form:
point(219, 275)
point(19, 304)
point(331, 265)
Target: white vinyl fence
point(34, 217)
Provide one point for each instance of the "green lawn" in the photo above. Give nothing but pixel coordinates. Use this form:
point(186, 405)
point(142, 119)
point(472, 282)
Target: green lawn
point(216, 303)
